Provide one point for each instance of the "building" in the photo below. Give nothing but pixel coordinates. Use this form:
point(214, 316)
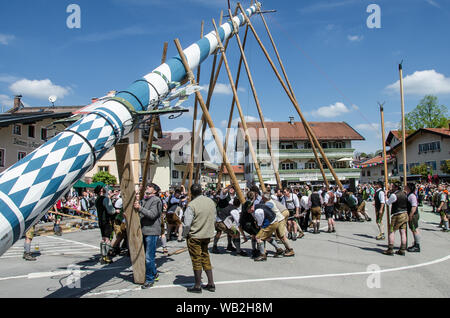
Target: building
point(239, 171)
point(430, 146)
point(24, 129)
point(293, 153)
point(373, 169)
point(174, 154)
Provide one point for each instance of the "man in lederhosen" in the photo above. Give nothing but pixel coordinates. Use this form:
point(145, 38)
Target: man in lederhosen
point(399, 219)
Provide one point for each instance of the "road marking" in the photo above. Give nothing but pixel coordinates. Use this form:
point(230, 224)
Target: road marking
point(76, 242)
point(119, 291)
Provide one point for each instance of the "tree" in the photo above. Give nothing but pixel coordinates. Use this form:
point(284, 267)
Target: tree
point(428, 114)
point(422, 170)
point(105, 177)
point(445, 168)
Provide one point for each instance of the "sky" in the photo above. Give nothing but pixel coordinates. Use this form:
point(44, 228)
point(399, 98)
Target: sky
point(340, 68)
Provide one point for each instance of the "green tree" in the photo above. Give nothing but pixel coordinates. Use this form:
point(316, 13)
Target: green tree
point(105, 177)
point(422, 170)
point(446, 167)
point(428, 114)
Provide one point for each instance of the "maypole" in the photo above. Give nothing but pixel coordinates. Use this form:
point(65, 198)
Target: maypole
point(31, 186)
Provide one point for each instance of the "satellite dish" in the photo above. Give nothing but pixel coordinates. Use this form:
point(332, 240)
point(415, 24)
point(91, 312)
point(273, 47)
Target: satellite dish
point(52, 99)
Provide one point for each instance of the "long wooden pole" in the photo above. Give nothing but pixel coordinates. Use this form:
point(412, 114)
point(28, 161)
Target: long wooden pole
point(210, 122)
point(293, 100)
point(405, 181)
point(190, 166)
point(230, 118)
point(241, 113)
point(258, 106)
point(309, 133)
point(386, 181)
point(150, 137)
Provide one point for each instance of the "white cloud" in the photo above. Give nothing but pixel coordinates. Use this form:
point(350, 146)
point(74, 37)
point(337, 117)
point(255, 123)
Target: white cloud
point(355, 38)
point(40, 89)
point(334, 110)
point(369, 127)
point(237, 120)
point(433, 3)
point(224, 89)
point(422, 83)
point(5, 78)
point(6, 38)
point(322, 6)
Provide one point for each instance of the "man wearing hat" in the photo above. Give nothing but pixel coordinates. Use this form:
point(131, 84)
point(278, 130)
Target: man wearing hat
point(399, 219)
point(105, 212)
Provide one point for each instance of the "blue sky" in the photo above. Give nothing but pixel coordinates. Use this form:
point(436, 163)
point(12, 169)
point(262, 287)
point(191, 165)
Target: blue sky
point(339, 67)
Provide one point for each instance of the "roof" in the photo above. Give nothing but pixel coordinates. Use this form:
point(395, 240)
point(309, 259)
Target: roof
point(29, 118)
point(239, 169)
point(173, 140)
point(40, 109)
point(375, 161)
point(296, 131)
point(395, 133)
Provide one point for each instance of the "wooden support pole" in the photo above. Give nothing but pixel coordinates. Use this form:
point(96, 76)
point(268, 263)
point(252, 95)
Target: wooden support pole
point(150, 136)
point(128, 194)
point(190, 166)
point(258, 106)
point(210, 122)
point(386, 181)
point(293, 100)
point(230, 118)
point(402, 99)
point(291, 90)
point(241, 113)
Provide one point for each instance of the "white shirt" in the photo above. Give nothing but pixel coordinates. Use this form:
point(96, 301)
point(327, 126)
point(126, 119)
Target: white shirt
point(293, 198)
point(382, 197)
point(273, 207)
point(305, 202)
point(392, 199)
point(236, 214)
point(259, 217)
point(412, 199)
point(327, 197)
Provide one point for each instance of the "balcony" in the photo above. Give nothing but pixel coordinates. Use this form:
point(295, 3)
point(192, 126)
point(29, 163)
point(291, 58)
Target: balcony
point(332, 153)
point(311, 174)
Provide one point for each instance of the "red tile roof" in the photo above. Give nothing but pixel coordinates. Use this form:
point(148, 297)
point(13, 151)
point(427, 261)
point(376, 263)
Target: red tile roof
point(375, 161)
point(236, 169)
point(296, 131)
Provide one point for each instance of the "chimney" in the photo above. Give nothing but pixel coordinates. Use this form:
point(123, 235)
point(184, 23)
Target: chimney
point(291, 120)
point(17, 102)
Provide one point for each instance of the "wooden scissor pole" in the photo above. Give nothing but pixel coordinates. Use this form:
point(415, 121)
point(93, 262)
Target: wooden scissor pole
point(208, 118)
point(241, 113)
point(402, 99)
point(293, 100)
point(386, 181)
point(150, 136)
point(258, 106)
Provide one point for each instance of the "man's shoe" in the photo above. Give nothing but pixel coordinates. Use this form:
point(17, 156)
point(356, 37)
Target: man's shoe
point(445, 230)
point(261, 258)
point(194, 289)
point(28, 257)
point(389, 251)
point(380, 237)
point(289, 235)
point(294, 237)
point(400, 252)
point(179, 241)
point(288, 253)
point(414, 249)
point(156, 277)
point(147, 285)
point(231, 248)
point(279, 253)
point(333, 231)
point(211, 288)
point(215, 250)
point(369, 219)
point(255, 253)
point(300, 235)
point(329, 231)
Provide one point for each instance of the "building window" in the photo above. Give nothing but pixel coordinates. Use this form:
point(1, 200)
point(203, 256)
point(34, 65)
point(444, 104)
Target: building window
point(17, 130)
point(368, 173)
point(21, 155)
point(103, 168)
point(182, 174)
point(431, 146)
point(431, 164)
point(31, 131)
point(310, 165)
point(400, 168)
point(43, 133)
point(363, 173)
point(288, 166)
point(2, 157)
point(308, 145)
point(175, 174)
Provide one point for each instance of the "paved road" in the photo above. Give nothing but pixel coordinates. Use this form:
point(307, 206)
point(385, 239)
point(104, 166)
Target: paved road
point(326, 265)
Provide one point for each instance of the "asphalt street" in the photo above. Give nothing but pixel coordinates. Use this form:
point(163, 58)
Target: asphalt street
point(348, 263)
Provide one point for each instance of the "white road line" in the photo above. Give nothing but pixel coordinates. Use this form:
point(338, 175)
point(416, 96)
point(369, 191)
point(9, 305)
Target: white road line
point(50, 254)
point(60, 273)
point(66, 240)
point(282, 278)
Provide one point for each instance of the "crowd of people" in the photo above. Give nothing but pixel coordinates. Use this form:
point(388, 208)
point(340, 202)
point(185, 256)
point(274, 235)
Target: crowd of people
point(274, 216)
